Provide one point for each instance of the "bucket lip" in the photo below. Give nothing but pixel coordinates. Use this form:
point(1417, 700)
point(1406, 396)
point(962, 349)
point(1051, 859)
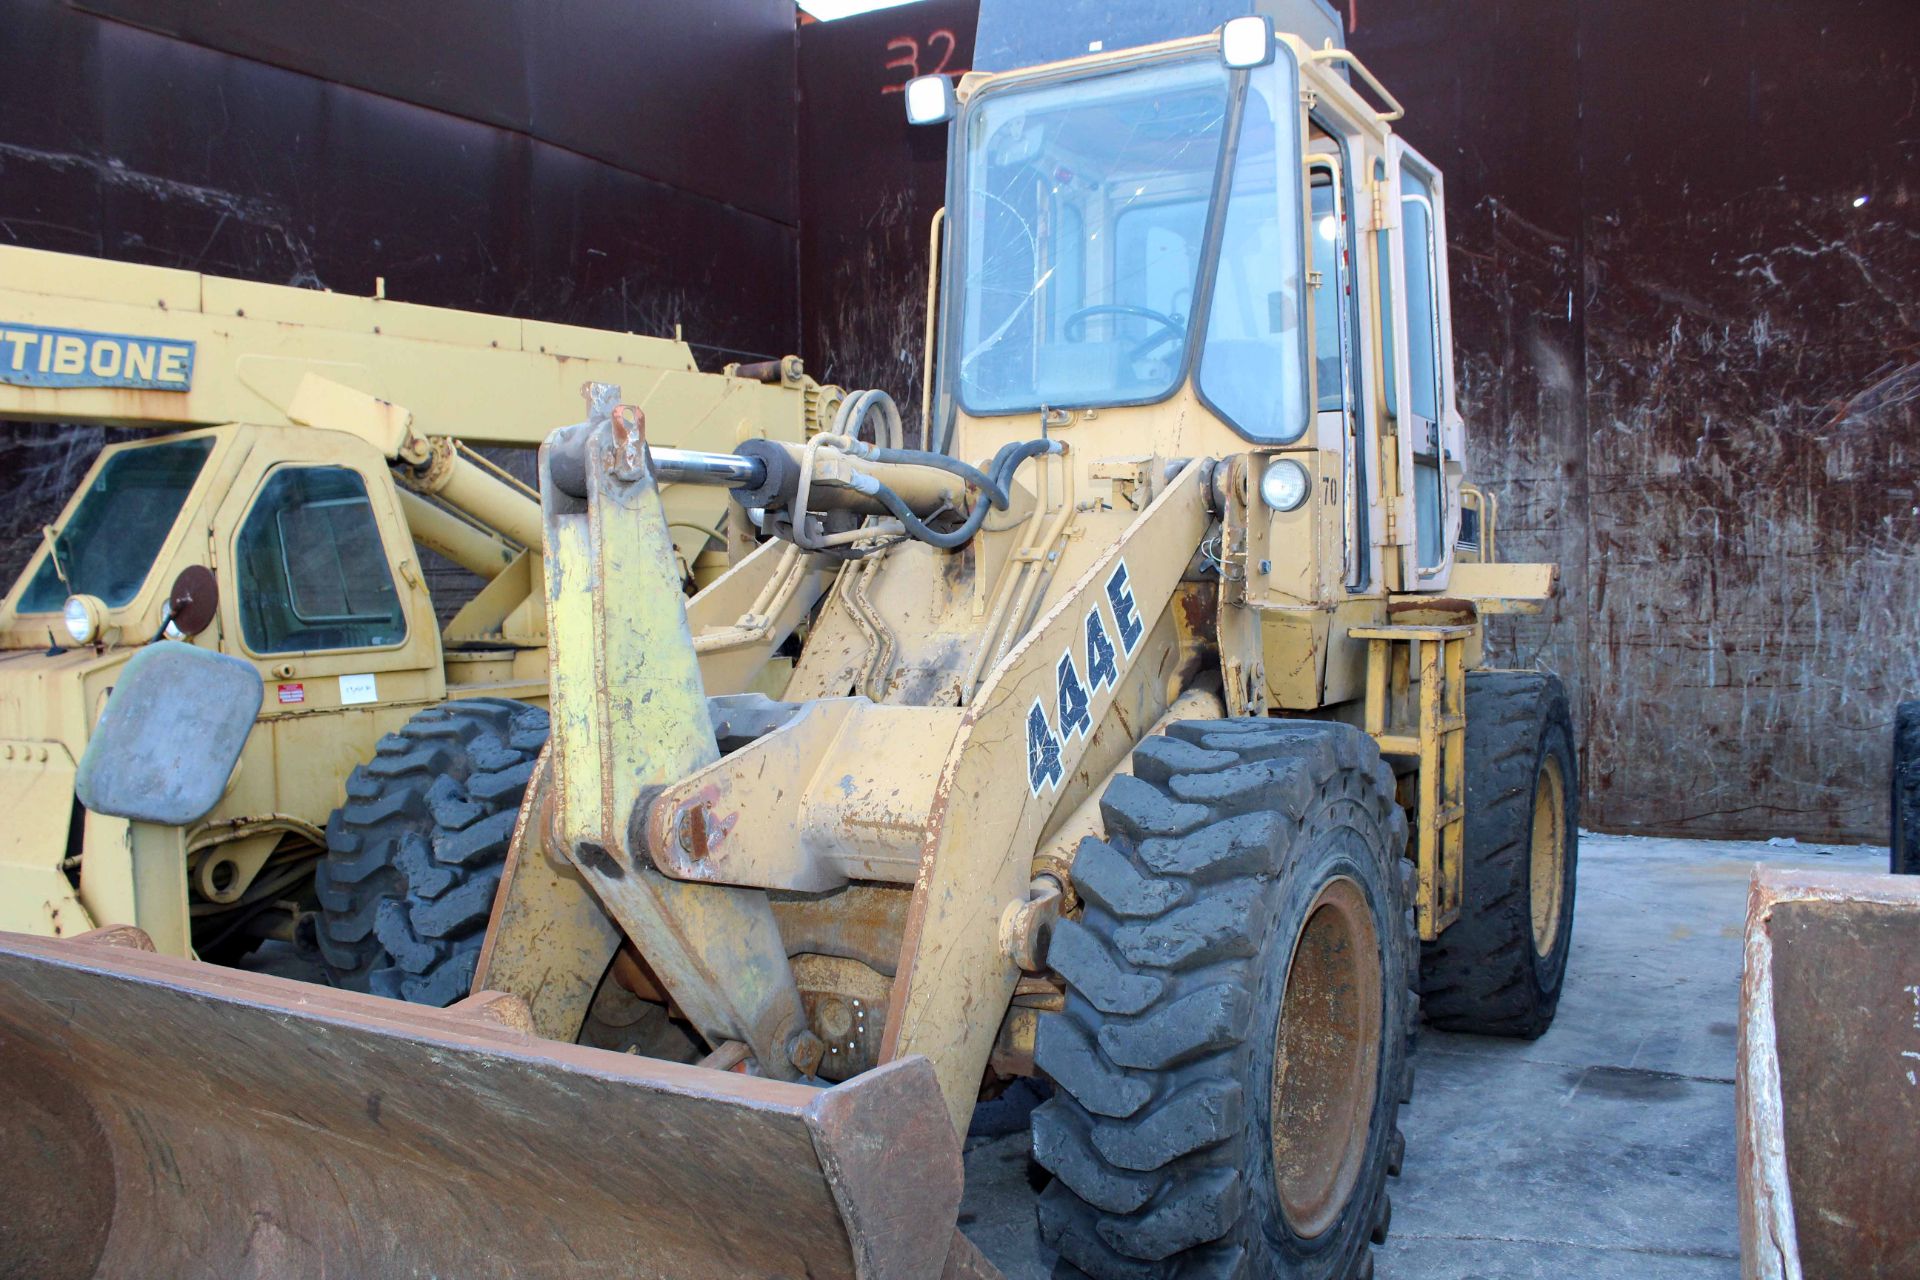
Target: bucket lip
point(861, 1179)
point(449, 1028)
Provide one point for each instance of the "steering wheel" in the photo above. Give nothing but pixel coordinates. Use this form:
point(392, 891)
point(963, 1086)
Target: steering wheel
point(1172, 328)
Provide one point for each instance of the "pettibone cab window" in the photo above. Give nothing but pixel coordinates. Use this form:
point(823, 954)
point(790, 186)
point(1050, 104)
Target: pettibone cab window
point(313, 573)
point(110, 542)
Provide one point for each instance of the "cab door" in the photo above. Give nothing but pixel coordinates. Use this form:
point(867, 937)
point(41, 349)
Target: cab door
point(321, 590)
point(1428, 426)
point(1337, 370)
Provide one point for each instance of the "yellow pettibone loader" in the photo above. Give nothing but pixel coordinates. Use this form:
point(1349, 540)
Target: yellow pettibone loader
point(279, 520)
point(1139, 738)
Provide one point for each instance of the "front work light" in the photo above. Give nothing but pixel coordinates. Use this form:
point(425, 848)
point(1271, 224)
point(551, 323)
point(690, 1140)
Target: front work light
point(1285, 484)
point(930, 100)
point(85, 617)
point(1247, 42)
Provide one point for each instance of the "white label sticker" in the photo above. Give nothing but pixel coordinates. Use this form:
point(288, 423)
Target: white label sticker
point(355, 689)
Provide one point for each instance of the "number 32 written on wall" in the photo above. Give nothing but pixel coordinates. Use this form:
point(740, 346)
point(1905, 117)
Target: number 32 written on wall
point(911, 56)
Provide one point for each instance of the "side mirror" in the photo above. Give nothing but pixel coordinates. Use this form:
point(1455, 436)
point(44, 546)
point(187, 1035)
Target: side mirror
point(1247, 42)
point(191, 604)
point(170, 736)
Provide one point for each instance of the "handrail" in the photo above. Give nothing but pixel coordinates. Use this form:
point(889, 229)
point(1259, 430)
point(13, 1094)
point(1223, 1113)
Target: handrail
point(1331, 54)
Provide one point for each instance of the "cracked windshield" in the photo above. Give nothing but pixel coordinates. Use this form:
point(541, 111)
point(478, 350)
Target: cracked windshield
point(1086, 215)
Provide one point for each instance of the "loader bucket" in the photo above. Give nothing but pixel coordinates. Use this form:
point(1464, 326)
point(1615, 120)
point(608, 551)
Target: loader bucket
point(1829, 1060)
point(163, 1117)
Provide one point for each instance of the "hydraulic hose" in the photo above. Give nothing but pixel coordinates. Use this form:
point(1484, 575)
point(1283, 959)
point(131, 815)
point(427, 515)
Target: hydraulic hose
point(941, 462)
point(861, 405)
point(855, 410)
point(1005, 463)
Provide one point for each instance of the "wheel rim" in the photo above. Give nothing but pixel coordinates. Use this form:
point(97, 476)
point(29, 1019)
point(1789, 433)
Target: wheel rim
point(1548, 865)
point(1326, 1058)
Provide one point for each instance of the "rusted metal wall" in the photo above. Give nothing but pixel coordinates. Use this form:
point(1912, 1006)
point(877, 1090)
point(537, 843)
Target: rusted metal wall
point(626, 166)
point(1686, 253)
point(870, 184)
point(1690, 360)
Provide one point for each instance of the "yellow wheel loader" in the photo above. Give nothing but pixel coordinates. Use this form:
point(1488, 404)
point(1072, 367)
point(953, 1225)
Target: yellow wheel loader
point(1140, 739)
point(314, 446)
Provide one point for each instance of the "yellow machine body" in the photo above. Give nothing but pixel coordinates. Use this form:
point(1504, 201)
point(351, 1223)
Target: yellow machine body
point(263, 393)
point(856, 880)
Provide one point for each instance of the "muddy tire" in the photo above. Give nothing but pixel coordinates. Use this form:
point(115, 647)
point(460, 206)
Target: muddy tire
point(1498, 969)
point(1250, 908)
point(1903, 836)
point(414, 856)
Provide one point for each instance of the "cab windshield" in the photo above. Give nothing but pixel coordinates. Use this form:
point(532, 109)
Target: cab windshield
point(107, 546)
point(1085, 222)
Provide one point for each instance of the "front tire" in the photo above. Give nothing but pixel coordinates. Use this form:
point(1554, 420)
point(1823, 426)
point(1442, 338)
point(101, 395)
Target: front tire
point(1903, 839)
point(1234, 1044)
point(1498, 969)
point(414, 856)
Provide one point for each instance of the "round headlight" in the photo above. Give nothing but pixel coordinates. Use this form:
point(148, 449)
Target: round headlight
point(1285, 484)
point(85, 618)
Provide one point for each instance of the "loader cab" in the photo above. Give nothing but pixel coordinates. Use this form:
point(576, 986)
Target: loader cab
point(1155, 246)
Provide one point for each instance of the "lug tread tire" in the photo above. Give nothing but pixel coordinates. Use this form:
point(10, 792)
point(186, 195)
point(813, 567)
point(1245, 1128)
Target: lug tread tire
point(414, 855)
point(1149, 1131)
point(1482, 975)
point(1903, 837)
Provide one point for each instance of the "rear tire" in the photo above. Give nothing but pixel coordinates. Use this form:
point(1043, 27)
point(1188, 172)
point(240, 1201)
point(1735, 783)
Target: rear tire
point(1243, 968)
point(1498, 969)
point(414, 856)
point(1903, 840)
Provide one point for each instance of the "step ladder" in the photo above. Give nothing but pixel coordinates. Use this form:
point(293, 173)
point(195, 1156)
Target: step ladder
point(1434, 734)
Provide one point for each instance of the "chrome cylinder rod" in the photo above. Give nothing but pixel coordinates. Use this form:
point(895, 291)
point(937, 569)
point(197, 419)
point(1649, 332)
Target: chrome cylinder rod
point(696, 466)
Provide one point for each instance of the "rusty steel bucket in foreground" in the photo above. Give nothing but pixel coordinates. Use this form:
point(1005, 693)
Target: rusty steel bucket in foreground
point(1829, 1077)
point(164, 1117)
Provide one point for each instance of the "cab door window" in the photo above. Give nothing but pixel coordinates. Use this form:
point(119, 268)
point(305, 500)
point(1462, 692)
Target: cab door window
point(1252, 366)
point(1424, 389)
point(1330, 319)
point(1335, 371)
point(311, 568)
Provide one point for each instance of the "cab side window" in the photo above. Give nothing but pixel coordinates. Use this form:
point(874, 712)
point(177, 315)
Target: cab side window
point(1423, 360)
point(313, 573)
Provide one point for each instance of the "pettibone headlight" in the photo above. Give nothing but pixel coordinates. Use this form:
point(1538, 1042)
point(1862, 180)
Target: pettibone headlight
point(85, 618)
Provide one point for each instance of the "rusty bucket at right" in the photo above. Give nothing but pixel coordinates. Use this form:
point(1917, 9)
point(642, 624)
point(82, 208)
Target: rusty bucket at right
point(1829, 1077)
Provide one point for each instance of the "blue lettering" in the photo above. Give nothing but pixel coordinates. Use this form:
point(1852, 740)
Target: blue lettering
point(1073, 700)
point(1126, 615)
point(1101, 670)
point(32, 356)
point(1043, 751)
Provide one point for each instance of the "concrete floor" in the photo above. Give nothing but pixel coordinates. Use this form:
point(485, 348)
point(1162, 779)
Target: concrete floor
point(1603, 1150)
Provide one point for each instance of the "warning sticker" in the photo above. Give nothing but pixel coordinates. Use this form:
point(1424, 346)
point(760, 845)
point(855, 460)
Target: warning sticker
point(292, 693)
